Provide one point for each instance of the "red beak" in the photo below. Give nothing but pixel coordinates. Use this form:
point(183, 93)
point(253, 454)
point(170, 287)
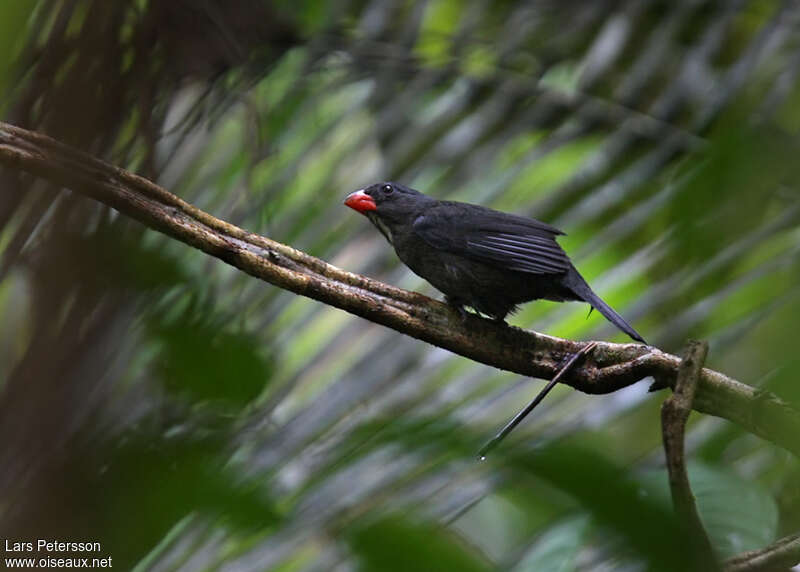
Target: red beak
point(361, 202)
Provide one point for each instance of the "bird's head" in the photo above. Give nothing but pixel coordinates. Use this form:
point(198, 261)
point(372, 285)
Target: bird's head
point(387, 205)
point(388, 202)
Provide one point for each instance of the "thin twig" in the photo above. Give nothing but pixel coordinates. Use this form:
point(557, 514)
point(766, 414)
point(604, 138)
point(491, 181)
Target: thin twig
point(674, 414)
point(780, 555)
point(509, 427)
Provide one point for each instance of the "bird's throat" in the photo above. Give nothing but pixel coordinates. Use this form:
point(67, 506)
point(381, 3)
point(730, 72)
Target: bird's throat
point(381, 226)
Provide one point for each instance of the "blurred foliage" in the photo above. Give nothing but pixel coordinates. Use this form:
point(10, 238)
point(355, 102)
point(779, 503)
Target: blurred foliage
point(195, 355)
point(395, 544)
point(191, 418)
point(738, 515)
point(146, 489)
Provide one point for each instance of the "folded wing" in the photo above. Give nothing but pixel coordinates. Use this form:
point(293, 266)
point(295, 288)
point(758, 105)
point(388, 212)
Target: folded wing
point(499, 239)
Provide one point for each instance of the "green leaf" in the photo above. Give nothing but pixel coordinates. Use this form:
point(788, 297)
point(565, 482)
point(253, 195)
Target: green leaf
point(612, 495)
point(738, 515)
point(13, 30)
point(397, 543)
point(556, 549)
point(438, 27)
point(200, 359)
point(149, 484)
point(562, 77)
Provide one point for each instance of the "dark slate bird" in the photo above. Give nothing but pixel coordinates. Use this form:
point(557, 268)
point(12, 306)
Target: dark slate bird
point(478, 257)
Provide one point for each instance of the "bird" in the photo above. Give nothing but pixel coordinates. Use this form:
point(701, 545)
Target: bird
point(477, 257)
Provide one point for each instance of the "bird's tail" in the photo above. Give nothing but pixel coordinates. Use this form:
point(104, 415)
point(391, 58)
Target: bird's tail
point(578, 285)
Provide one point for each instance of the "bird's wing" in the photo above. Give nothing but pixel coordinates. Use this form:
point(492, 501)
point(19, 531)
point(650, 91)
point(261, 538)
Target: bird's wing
point(499, 239)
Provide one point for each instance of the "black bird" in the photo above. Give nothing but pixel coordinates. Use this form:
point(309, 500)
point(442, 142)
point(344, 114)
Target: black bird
point(478, 257)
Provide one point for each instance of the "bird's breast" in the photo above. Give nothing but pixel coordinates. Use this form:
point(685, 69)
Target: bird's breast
point(446, 271)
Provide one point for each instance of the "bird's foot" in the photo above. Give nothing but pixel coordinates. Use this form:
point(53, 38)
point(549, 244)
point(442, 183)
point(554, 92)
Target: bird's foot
point(458, 307)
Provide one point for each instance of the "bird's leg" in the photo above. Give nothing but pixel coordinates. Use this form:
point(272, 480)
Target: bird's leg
point(458, 307)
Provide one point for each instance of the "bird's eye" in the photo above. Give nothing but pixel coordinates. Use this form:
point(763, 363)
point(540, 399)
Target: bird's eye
point(388, 189)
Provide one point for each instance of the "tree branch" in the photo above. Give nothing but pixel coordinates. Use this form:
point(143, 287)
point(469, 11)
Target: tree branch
point(780, 555)
point(609, 368)
point(674, 415)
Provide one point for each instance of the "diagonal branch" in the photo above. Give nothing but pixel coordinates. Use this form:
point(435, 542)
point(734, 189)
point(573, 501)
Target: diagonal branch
point(780, 555)
point(609, 368)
